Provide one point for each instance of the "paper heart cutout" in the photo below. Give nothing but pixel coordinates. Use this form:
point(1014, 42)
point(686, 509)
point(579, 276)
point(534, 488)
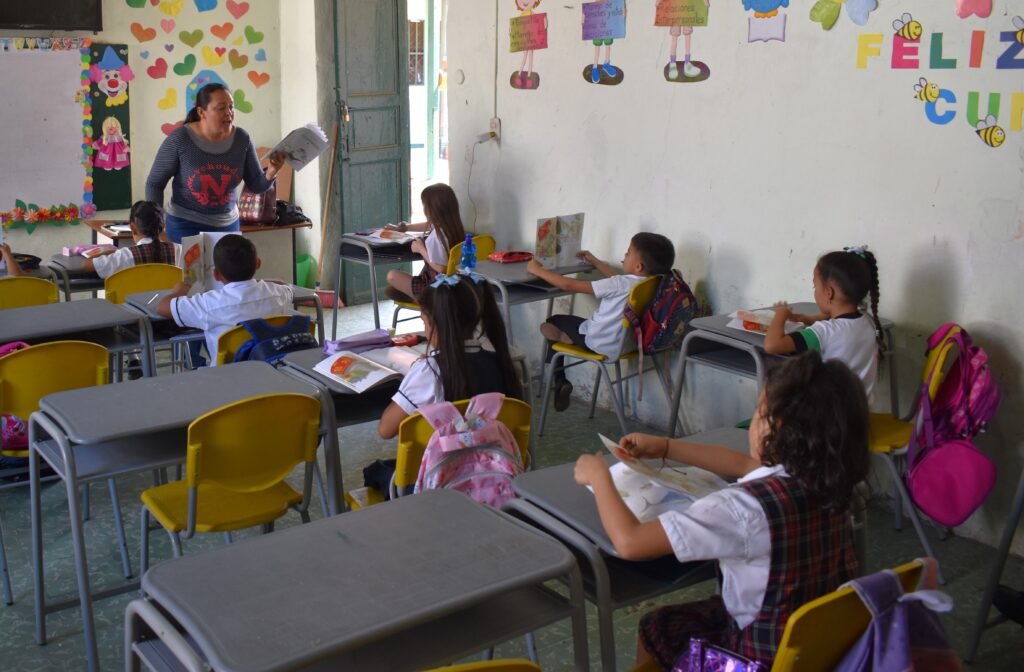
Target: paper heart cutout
point(220, 50)
point(171, 128)
point(191, 38)
point(167, 25)
point(261, 55)
point(154, 2)
point(169, 100)
point(965, 8)
point(169, 47)
point(171, 7)
point(186, 66)
point(158, 70)
point(206, 5)
point(143, 34)
point(237, 60)
point(237, 9)
point(241, 104)
point(135, 4)
point(210, 57)
point(143, 55)
point(258, 78)
point(223, 30)
point(253, 35)
point(239, 40)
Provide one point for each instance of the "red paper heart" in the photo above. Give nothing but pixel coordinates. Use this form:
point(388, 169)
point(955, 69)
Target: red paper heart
point(220, 50)
point(170, 128)
point(154, 2)
point(237, 9)
point(158, 70)
point(258, 78)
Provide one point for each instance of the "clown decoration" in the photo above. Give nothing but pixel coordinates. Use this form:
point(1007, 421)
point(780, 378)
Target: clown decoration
point(111, 76)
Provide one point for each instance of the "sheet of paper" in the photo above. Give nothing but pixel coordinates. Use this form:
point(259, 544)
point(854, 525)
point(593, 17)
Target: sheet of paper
point(604, 20)
point(681, 13)
point(528, 32)
point(757, 321)
point(692, 481)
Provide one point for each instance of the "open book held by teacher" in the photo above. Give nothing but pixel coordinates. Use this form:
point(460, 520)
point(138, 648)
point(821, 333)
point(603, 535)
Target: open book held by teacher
point(301, 146)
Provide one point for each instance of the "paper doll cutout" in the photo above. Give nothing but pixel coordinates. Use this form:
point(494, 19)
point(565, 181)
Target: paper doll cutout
point(111, 149)
point(680, 17)
point(527, 33)
point(604, 21)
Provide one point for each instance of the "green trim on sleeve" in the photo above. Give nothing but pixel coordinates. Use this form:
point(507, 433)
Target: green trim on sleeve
point(810, 339)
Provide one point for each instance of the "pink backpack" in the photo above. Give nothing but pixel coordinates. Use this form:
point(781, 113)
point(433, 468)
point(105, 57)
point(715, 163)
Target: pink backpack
point(13, 433)
point(475, 454)
point(968, 398)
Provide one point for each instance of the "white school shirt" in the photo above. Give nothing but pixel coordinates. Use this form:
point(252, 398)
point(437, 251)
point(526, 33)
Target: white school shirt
point(422, 385)
point(603, 331)
point(437, 252)
point(218, 310)
point(108, 264)
point(729, 526)
point(848, 338)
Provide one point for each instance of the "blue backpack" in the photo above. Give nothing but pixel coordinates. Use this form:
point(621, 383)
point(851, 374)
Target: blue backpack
point(270, 343)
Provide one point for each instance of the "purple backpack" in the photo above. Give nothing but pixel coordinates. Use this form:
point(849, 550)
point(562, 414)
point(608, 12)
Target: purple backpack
point(905, 632)
point(968, 397)
point(706, 657)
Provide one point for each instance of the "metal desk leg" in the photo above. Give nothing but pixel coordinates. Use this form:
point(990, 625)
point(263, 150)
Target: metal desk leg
point(894, 388)
point(146, 341)
point(677, 393)
point(373, 287)
point(981, 622)
point(337, 298)
point(332, 453)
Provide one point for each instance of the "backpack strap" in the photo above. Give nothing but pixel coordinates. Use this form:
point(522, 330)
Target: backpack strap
point(486, 405)
point(878, 591)
point(440, 415)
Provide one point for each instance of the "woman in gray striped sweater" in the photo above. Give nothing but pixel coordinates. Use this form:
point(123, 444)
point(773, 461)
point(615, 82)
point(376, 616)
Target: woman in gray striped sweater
point(207, 158)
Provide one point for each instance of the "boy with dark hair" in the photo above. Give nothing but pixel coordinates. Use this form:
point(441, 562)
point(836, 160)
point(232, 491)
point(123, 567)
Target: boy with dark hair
point(242, 297)
point(648, 254)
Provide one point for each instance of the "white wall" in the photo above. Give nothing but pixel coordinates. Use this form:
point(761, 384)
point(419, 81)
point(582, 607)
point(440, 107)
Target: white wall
point(787, 151)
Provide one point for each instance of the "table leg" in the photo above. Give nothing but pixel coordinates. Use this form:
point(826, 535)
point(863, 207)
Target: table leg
point(146, 341)
point(337, 299)
point(373, 287)
point(894, 388)
point(81, 561)
point(677, 393)
point(36, 513)
point(503, 292)
point(332, 453)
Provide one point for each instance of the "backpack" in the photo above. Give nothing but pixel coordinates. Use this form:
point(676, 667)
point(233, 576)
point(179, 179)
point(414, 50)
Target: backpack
point(968, 397)
point(289, 213)
point(13, 432)
point(703, 656)
point(475, 454)
point(905, 632)
point(270, 343)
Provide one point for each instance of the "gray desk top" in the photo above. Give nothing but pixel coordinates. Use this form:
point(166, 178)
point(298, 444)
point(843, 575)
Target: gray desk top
point(555, 490)
point(69, 317)
point(306, 593)
point(147, 302)
point(516, 273)
point(72, 264)
point(150, 405)
point(717, 324)
point(305, 360)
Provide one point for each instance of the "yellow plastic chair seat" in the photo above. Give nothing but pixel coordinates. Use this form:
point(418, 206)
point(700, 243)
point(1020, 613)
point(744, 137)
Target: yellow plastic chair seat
point(24, 290)
point(579, 351)
point(360, 498)
point(888, 433)
point(219, 509)
point(408, 305)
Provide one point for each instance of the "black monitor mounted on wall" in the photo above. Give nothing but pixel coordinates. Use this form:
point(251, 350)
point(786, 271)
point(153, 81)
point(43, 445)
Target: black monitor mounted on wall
point(51, 14)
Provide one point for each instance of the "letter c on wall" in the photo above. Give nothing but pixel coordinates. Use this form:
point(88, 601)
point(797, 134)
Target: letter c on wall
point(931, 109)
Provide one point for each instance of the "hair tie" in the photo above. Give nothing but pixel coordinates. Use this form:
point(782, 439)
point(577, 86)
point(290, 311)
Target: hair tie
point(859, 250)
point(442, 279)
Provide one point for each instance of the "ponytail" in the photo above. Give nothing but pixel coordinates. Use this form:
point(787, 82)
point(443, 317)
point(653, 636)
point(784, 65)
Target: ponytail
point(873, 295)
point(203, 96)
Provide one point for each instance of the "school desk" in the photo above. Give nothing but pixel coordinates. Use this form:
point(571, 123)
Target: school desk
point(73, 277)
point(413, 583)
point(147, 432)
point(551, 500)
point(92, 320)
point(709, 341)
point(368, 252)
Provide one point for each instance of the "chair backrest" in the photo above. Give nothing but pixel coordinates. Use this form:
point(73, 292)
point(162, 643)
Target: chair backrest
point(24, 290)
point(254, 443)
point(819, 633)
point(414, 433)
point(641, 294)
point(231, 340)
point(28, 375)
point(284, 175)
point(140, 278)
point(484, 246)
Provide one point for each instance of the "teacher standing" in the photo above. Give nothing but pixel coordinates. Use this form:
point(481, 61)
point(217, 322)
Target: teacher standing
point(207, 157)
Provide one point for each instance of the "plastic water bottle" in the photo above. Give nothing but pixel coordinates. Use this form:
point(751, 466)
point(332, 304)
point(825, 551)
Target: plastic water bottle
point(468, 262)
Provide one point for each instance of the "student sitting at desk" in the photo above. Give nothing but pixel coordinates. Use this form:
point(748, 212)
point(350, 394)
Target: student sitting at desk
point(648, 254)
point(242, 297)
point(11, 266)
point(469, 352)
point(782, 534)
point(842, 281)
point(146, 220)
point(445, 231)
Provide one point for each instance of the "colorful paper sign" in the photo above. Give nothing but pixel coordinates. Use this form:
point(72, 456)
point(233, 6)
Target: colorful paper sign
point(681, 13)
point(528, 32)
point(604, 20)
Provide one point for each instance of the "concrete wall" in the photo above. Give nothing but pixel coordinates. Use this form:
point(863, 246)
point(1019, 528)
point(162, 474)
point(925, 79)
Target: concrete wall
point(787, 151)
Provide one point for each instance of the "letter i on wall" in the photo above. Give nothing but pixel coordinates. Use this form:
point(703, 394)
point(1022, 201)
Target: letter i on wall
point(527, 33)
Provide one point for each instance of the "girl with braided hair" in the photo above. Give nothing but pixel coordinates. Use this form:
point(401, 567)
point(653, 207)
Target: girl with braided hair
point(844, 281)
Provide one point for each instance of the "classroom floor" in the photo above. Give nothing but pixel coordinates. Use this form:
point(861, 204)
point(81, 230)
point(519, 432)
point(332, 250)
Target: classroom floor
point(966, 562)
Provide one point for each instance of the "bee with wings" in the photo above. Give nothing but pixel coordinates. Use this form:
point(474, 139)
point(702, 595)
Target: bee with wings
point(907, 28)
point(1018, 23)
point(991, 134)
point(926, 91)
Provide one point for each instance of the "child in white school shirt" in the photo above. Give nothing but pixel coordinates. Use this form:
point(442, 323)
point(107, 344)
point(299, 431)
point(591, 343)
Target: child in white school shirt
point(242, 298)
point(146, 220)
point(648, 254)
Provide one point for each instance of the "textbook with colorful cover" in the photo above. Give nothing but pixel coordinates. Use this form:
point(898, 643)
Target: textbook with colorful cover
point(559, 239)
point(301, 145)
point(195, 258)
point(355, 372)
point(757, 321)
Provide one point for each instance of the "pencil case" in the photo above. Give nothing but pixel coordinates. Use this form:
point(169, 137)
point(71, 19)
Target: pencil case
point(510, 257)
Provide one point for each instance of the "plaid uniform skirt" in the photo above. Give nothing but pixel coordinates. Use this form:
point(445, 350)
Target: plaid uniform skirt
point(421, 281)
point(666, 632)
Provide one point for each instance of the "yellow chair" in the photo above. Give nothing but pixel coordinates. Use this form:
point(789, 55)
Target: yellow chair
point(24, 290)
point(141, 278)
point(484, 246)
point(234, 338)
point(413, 435)
point(641, 295)
point(238, 457)
point(510, 665)
point(890, 436)
point(28, 375)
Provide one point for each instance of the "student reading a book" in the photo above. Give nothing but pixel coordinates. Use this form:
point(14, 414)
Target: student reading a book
point(444, 231)
point(207, 157)
point(146, 220)
point(242, 297)
point(648, 254)
point(468, 354)
point(781, 534)
point(842, 281)
point(11, 266)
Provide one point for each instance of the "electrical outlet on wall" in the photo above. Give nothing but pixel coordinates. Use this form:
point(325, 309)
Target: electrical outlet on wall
point(495, 128)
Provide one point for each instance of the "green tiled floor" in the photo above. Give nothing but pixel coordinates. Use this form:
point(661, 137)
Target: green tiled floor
point(568, 434)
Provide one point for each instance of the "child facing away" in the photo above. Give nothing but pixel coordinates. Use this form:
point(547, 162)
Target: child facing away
point(444, 231)
point(469, 352)
point(146, 220)
point(842, 281)
point(648, 254)
point(241, 298)
point(782, 534)
point(11, 266)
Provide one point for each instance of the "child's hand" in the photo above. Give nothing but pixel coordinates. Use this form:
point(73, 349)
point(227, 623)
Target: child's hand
point(5, 249)
point(418, 247)
point(181, 289)
point(534, 267)
point(782, 308)
point(644, 445)
point(589, 468)
point(586, 256)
